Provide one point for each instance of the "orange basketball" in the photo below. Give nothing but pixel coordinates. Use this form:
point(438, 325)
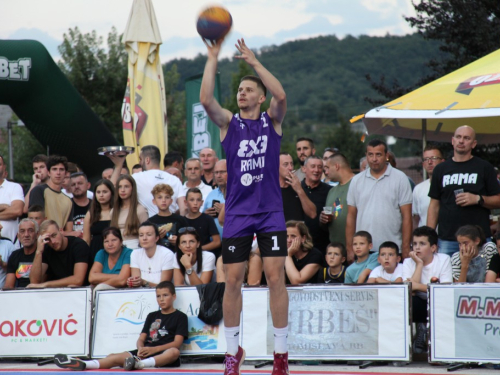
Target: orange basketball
point(214, 23)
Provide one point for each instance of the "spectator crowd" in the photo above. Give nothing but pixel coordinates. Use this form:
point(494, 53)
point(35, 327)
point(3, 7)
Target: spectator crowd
point(151, 225)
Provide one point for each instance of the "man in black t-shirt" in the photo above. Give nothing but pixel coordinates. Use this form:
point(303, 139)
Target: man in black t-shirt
point(463, 190)
point(20, 261)
point(296, 203)
point(59, 261)
point(81, 203)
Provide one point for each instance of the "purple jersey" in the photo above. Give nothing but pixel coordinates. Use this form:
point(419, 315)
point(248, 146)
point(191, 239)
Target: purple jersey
point(253, 155)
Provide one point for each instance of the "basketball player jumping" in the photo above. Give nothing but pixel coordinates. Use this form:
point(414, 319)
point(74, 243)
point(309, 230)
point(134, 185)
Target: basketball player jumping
point(251, 140)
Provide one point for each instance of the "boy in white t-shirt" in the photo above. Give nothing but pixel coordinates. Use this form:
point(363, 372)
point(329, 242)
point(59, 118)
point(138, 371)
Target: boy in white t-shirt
point(390, 270)
point(425, 265)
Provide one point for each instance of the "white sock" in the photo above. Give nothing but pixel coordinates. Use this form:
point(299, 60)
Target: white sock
point(280, 340)
point(92, 365)
point(232, 339)
point(149, 362)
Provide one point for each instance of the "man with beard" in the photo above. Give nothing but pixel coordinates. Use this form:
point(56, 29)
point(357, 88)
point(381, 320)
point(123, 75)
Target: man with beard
point(379, 202)
point(81, 203)
point(20, 261)
point(463, 190)
point(305, 148)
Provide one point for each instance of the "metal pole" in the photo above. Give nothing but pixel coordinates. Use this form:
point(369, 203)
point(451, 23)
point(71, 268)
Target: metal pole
point(424, 144)
point(11, 153)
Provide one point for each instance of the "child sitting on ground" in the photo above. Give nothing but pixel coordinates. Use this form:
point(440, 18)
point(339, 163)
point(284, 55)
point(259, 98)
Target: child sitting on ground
point(359, 271)
point(390, 270)
point(159, 342)
point(335, 257)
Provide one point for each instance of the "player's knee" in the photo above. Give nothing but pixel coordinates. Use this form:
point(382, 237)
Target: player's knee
point(274, 279)
point(175, 353)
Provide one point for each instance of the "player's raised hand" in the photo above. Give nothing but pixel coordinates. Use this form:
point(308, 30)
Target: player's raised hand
point(213, 46)
point(246, 53)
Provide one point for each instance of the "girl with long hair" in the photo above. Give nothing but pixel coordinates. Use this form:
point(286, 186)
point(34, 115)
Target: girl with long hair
point(127, 213)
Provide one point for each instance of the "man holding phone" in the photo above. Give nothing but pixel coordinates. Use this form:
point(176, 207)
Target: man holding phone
point(217, 197)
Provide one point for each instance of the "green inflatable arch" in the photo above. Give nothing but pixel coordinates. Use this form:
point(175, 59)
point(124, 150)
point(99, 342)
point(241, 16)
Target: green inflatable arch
point(40, 94)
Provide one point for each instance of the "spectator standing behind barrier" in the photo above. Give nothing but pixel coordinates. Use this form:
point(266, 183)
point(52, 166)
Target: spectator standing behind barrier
point(425, 265)
point(193, 175)
point(471, 262)
point(98, 217)
point(336, 256)
point(192, 265)
point(380, 192)
point(127, 214)
point(57, 206)
point(432, 156)
point(40, 176)
point(296, 203)
point(327, 154)
point(217, 198)
point(60, 261)
point(317, 192)
point(391, 159)
point(208, 158)
point(304, 260)
point(111, 268)
point(304, 148)
point(173, 159)
point(152, 263)
point(20, 261)
point(158, 345)
point(390, 270)
point(11, 203)
point(81, 203)
point(359, 271)
point(463, 190)
point(337, 169)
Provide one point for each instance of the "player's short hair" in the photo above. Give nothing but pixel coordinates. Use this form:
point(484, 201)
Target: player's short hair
point(432, 146)
point(36, 208)
point(56, 159)
point(40, 158)
point(166, 285)
point(340, 158)
point(162, 188)
point(79, 174)
point(302, 139)
point(46, 224)
point(152, 152)
point(425, 231)
point(377, 142)
point(172, 157)
point(257, 80)
point(194, 191)
point(389, 245)
point(364, 234)
point(338, 245)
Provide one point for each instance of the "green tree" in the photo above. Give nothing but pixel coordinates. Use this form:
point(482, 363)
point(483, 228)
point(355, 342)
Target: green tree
point(348, 141)
point(99, 74)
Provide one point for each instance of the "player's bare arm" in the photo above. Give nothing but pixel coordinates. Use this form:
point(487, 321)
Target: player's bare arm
point(277, 108)
point(220, 116)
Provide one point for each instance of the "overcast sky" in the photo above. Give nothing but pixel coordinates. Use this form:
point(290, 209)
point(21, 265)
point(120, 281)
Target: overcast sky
point(261, 22)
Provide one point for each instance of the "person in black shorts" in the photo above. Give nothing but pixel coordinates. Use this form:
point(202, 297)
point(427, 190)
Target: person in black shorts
point(159, 342)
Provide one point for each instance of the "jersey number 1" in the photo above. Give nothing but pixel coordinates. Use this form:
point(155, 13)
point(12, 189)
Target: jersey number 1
point(275, 241)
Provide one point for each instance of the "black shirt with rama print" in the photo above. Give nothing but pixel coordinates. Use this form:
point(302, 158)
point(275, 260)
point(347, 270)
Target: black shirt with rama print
point(162, 328)
point(20, 265)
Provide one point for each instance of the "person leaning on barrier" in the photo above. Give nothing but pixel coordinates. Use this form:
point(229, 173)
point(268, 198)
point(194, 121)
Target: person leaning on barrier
point(60, 261)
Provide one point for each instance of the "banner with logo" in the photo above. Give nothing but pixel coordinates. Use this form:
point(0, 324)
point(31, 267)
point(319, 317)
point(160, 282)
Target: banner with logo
point(334, 322)
point(44, 322)
point(201, 131)
point(120, 315)
point(465, 322)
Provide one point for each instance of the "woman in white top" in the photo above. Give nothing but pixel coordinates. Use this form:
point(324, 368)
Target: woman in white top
point(127, 214)
point(152, 263)
point(192, 265)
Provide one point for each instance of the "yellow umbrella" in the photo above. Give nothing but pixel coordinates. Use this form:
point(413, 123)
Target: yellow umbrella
point(144, 106)
point(467, 96)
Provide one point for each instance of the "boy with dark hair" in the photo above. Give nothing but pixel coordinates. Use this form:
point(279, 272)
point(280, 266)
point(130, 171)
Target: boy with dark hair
point(203, 223)
point(390, 269)
point(359, 271)
point(37, 213)
point(424, 265)
point(158, 345)
point(336, 255)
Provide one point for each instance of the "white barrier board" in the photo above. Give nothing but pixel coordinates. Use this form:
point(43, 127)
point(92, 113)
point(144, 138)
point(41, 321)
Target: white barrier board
point(464, 322)
point(336, 322)
point(120, 316)
point(44, 322)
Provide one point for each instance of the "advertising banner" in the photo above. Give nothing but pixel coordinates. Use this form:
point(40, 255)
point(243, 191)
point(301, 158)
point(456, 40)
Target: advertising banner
point(44, 322)
point(332, 322)
point(465, 322)
point(120, 316)
point(201, 131)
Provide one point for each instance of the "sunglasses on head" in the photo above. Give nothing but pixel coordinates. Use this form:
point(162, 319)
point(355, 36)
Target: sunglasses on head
point(186, 229)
